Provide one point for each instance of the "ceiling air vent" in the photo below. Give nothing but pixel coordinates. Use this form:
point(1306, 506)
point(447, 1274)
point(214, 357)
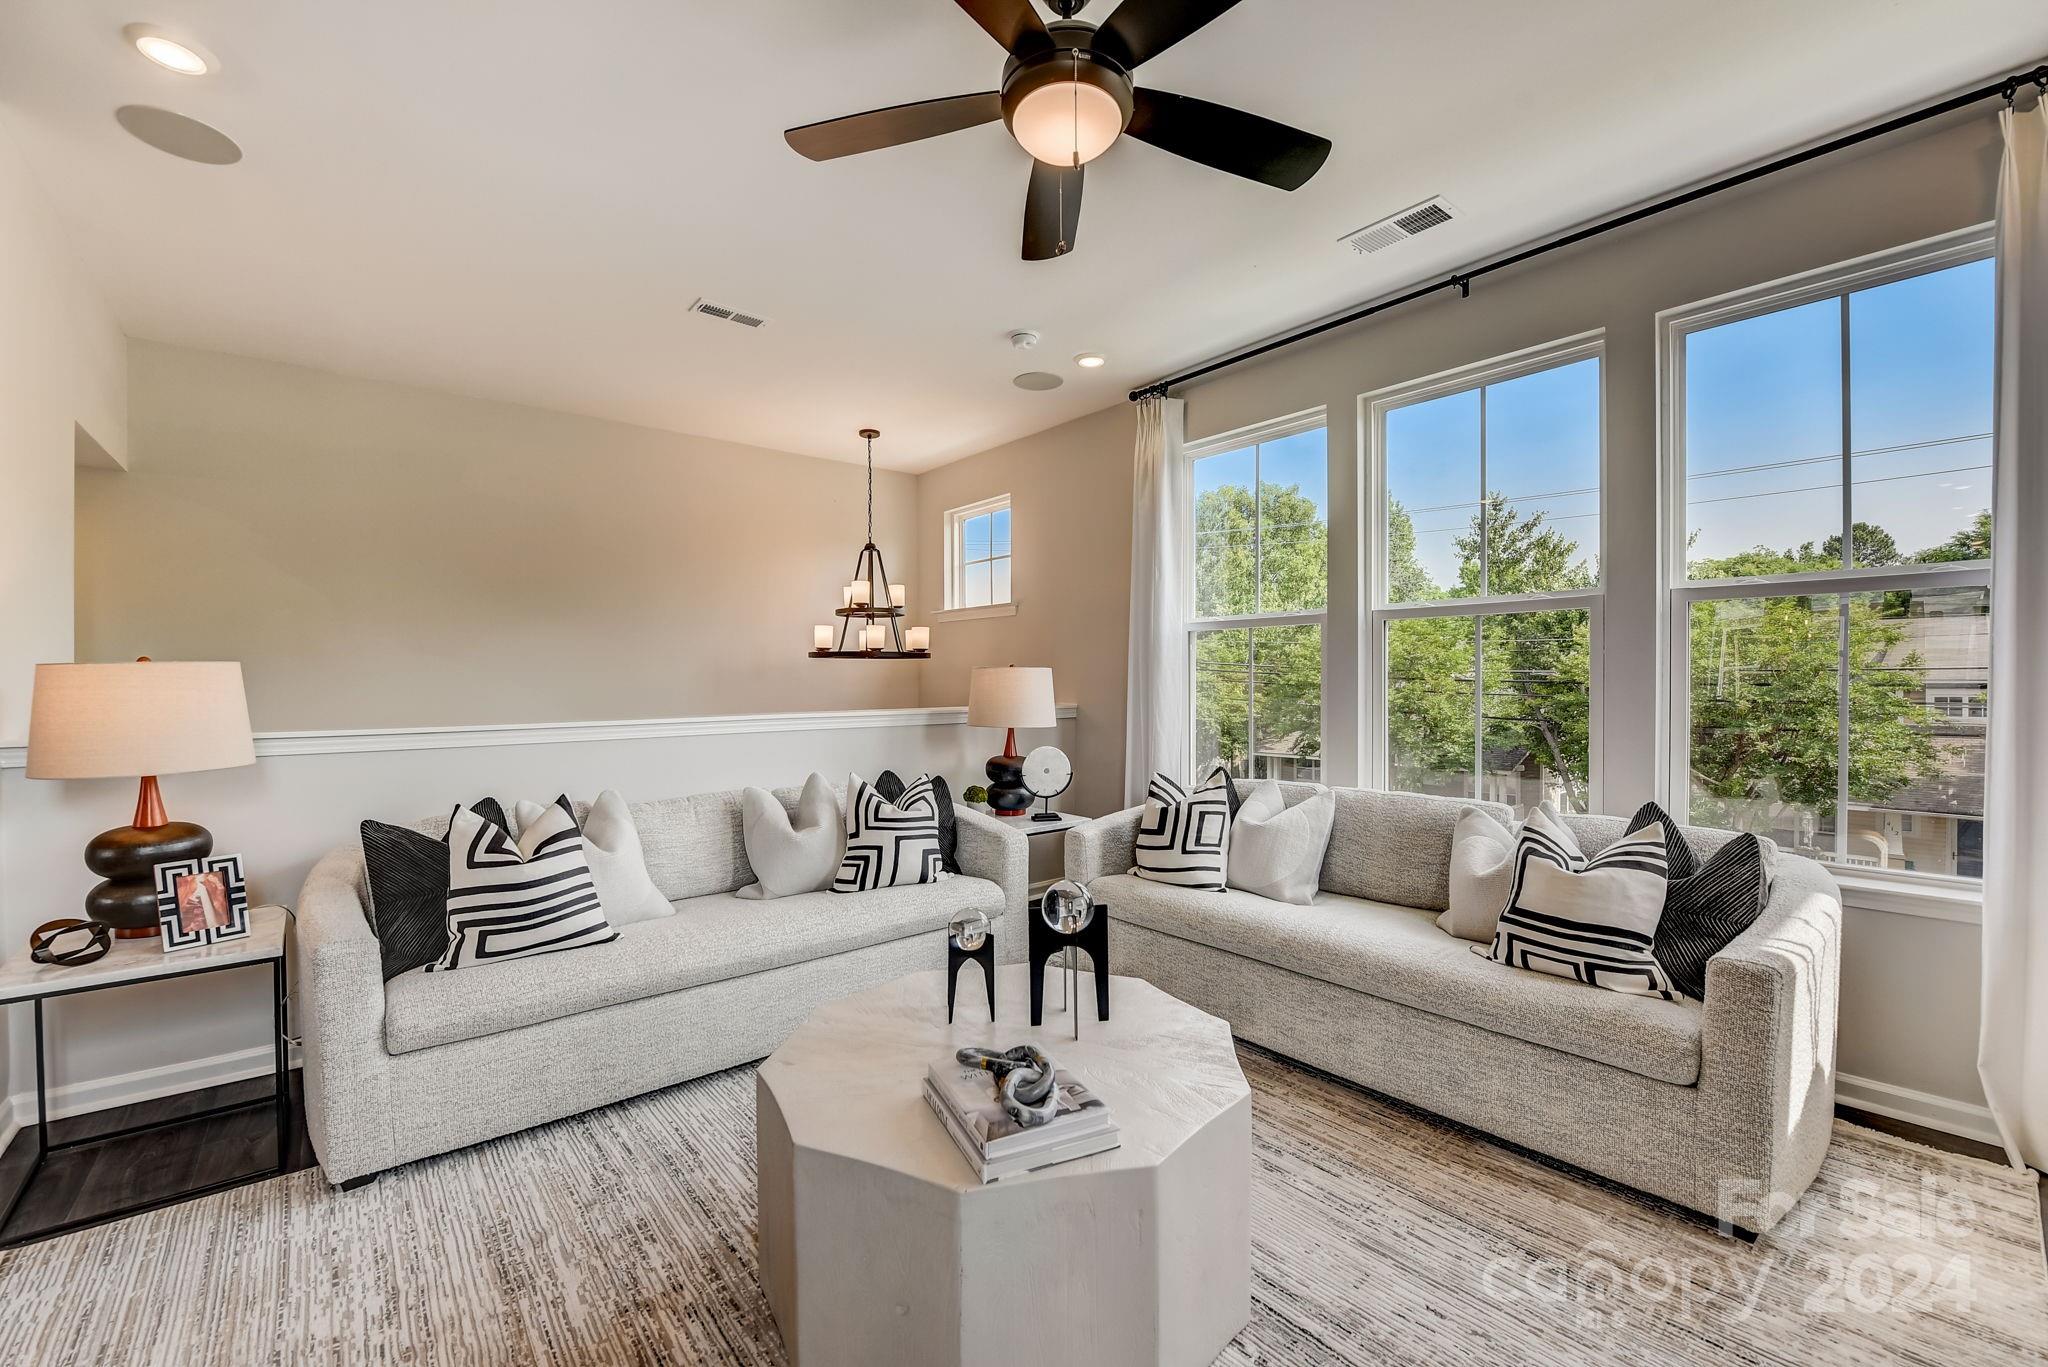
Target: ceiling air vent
point(705, 306)
point(1395, 228)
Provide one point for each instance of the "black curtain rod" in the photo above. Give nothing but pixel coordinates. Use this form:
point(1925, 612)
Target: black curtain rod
point(2006, 87)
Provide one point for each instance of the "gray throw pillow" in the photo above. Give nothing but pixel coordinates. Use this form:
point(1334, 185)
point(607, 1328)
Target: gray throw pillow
point(1482, 852)
point(1276, 851)
point(611, 842)
point(791, 857)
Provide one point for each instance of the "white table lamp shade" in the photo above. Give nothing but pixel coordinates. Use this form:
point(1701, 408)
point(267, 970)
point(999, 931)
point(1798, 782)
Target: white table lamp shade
point(1011, 697)
point(136, 720)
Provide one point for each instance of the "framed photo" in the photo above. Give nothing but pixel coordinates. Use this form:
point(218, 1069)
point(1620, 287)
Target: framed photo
point(201, 901)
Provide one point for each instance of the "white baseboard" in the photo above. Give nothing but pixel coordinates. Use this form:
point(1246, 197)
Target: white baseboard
point(81, 1098)
point(1962, 1118)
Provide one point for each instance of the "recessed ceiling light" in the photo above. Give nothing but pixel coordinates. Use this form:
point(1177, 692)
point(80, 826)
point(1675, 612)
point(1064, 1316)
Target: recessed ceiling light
point(167, 52)
point(1089, 360)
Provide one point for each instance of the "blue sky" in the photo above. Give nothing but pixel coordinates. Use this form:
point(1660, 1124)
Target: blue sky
point(1763, 430)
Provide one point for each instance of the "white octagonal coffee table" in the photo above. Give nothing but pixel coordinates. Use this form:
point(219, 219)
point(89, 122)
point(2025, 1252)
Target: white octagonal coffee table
point(879, 1244)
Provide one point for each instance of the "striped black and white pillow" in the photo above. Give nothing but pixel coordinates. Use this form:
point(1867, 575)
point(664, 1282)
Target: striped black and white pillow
point(1590, 919)
point(514, 899)
point(1184, 837)
point(1707, 904)
point(889, 844)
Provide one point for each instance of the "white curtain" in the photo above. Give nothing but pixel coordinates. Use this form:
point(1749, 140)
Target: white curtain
point(2012, 1050)
point(1156, 723)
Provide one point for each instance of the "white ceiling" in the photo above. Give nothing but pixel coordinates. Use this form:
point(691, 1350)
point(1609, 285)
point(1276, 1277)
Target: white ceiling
point(519, 200)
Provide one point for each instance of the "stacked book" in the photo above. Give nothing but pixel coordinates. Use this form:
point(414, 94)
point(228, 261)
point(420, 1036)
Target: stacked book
point(996, 1146)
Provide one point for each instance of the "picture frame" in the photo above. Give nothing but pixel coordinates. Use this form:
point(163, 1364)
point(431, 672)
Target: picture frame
point(202, 901)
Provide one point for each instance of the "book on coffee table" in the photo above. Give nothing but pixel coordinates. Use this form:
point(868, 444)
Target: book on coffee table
point(996, 1146)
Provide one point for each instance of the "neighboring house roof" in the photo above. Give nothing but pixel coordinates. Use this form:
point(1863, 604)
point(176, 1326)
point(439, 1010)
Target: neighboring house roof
point(1955, 788)
point(1953, 647)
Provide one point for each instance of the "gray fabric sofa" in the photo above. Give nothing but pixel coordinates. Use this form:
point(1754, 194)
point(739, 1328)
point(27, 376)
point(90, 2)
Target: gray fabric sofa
point(432, 1062)
point(1723, 1107)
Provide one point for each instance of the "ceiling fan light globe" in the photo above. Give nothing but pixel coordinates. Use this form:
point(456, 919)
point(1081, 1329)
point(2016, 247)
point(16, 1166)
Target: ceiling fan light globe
point(1067, 123)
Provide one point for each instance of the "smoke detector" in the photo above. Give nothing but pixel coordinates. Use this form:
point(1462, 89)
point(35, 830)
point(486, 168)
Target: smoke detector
point(1398, 228)
point(1023, 339)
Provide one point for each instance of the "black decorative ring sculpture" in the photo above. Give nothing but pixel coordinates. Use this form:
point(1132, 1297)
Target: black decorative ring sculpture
point(45, 939)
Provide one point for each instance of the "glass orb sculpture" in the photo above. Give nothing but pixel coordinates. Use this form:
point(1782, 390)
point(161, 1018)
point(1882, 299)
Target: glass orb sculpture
point(1067, 907)
point(969, 931)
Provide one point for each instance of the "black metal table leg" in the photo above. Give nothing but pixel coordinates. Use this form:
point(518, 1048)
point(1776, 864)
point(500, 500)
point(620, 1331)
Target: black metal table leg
point(282, 1082)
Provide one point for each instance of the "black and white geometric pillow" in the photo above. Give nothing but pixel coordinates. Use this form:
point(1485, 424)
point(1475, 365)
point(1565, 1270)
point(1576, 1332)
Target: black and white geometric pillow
point(889, 844)
point(1590, 919)
point(1183, 837)
point(510, 900)
point(1707, 905)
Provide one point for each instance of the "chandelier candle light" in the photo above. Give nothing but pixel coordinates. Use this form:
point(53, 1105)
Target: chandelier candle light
point(872, 601)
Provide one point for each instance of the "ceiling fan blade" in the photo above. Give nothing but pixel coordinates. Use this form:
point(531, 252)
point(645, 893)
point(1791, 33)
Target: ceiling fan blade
point(1140, 30)
point(898, 123)
point(1052, 211)
point(1227, 139)
point(1013, 23)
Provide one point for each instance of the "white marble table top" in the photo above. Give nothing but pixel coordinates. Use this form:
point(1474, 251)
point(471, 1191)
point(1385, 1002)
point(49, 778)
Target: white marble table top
point(1030, 826)
point(849, 1081)
point(22, 979)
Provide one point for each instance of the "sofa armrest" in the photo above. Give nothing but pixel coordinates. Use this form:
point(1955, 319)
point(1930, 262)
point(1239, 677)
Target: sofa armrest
point(1767, 1048)
point(1103, 846)
point(989, 849)
point(339, 972)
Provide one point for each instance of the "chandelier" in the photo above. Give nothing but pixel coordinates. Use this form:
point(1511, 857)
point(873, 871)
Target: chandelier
point(870, 610)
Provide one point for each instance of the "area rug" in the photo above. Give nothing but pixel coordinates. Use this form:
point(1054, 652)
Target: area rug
point(1379, 1235)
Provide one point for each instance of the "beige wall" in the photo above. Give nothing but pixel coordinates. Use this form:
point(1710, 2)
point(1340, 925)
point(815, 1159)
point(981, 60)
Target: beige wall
point(1070, 523)
point(378, 555)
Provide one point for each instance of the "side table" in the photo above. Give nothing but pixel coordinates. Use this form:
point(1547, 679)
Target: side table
point(136, 961)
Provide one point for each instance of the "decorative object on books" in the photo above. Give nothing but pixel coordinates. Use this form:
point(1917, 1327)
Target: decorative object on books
point(201, 901)
point(1706, 904)
point(1482, 867)
point(618, 869)
point(889, 845)
point(1184, 837)
point(405, 885)
point(1024, 1081)
point(969, 939)
point(67, 942)
point(1069, 919)
point(872, 601)
point(1590, 919)
point(1276, 850)
point(892, 788)
point(494, 912)
point(1047, 773)
point(1010, 699)
point(791, 855)
point(138, 720)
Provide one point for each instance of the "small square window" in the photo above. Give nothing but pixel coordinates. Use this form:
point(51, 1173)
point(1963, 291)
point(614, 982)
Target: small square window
point(978, 558)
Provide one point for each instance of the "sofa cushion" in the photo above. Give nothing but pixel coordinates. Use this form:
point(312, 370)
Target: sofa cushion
point(1397, 953)
point(709, 939)
point(1396, 847)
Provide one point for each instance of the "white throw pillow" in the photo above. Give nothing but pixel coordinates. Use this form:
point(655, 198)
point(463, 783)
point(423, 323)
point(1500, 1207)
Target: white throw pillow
point(789, 857)
point(1276, 850)
point(1590, 919)
point(1482, 868)
point(512, 899)
point(611, 842)
point(1183, 837)
point(889, 844)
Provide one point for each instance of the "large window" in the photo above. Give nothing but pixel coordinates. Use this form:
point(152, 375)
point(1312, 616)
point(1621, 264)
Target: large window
point(1829, 524)
point(978, 554)
point(1485, 589)
point(1259, 585)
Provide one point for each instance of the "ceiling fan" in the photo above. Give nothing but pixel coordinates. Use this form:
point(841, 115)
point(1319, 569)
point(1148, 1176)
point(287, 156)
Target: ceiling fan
point(1067, 95)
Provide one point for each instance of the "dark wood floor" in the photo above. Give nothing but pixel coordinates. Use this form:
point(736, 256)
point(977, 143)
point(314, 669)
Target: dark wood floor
point(84, 1182)
point(81, 1183)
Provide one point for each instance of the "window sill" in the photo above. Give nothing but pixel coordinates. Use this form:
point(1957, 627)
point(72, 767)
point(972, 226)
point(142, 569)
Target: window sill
point(974, 614)
point(1956, 900)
